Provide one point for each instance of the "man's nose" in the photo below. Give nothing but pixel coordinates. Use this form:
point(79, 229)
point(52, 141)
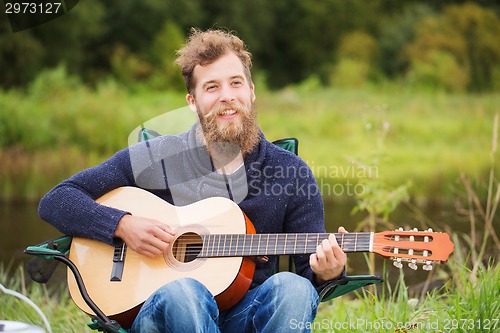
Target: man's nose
point(226, 94)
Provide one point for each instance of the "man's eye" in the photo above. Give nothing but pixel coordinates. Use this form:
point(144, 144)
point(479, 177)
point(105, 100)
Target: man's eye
point(237, 83)
point(211, 87)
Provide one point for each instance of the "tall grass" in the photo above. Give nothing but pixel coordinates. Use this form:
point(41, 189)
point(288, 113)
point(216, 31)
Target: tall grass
point(52, 299)
point(470, 307)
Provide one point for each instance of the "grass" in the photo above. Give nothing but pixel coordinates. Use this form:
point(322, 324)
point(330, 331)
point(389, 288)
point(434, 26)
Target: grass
point(58, 126)
point(52, 299)
point(466, 308)
point(462, 307)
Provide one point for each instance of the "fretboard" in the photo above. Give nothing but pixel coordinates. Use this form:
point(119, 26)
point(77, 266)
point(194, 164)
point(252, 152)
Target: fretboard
point(235, 245)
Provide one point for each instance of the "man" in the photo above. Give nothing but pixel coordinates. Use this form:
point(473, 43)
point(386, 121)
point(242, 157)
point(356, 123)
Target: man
point(231, 156)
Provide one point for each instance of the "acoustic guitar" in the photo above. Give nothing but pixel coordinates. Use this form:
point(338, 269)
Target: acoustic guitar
point(215, 244)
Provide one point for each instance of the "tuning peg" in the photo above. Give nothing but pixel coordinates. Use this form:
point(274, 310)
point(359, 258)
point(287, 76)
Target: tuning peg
point(427, 266)
point(413, 264)
point(397, 263)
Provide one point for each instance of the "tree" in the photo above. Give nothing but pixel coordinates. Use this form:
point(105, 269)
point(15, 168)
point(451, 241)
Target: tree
point(468, 34)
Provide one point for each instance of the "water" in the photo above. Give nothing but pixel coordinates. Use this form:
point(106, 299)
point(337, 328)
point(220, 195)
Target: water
point(20, 227)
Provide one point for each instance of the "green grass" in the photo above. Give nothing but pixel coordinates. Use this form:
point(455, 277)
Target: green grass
point(460, 306)
point(52, 299)
point(465, 308)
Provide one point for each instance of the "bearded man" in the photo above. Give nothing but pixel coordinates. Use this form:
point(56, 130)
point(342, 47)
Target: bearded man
point(224, 155)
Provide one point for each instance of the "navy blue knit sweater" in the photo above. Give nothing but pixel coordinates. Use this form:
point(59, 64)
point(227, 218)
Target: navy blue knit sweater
point(275, 189)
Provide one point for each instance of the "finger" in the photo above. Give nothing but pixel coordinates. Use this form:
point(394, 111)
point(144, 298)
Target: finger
point(166, 229)
point(320, 254)
point(313, 261)
point(327, 245)
point(149, 250)
point(164, 234)
point(342, 230)
point(337, 251)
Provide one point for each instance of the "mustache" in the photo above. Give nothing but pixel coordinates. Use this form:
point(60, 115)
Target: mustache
point(221, 108)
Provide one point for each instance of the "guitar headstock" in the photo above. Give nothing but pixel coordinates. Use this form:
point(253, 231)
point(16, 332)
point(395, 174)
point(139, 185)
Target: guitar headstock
point(414, 247)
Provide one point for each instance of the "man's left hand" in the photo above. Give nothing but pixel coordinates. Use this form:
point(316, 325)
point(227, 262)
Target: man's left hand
point(329, 260)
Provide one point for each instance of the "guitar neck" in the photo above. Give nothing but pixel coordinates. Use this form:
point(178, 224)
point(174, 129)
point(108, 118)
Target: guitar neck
point(232, 245)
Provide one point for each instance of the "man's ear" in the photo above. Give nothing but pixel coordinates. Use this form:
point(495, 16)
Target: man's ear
point(191, 102)
point(252, 89)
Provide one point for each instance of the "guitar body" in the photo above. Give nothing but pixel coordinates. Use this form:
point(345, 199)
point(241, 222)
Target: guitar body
point(227, 278)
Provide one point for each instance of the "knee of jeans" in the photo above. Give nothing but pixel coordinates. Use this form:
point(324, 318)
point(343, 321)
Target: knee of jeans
point(184, 288)
point(294, 286)
point(188, 294)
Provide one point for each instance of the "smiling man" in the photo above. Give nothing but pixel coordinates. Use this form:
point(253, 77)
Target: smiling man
point(226, 154)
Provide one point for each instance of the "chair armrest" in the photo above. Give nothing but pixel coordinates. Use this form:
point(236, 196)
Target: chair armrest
point(346, 284)
point(54, 247)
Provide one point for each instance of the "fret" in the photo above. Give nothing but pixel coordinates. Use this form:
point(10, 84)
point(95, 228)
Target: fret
point(213, 245)
point(258, 245)
point(267, 243)
point(291, 242)
point(276, 236)
point(342, 242)
point(231, 245)
point(295, 244)
point(251, 244)
point(246, 247)
point(305, 244)
point(355, 242)
point(236, 246)
point(286, 239)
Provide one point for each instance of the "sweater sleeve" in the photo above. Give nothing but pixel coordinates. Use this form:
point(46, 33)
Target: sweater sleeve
point(71, 208)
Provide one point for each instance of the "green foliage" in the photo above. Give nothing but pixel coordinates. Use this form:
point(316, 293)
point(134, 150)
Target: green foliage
point(395, 33)
point(166, 43)
point(291, 40)
point(356, 54)
point(438, 71)
point(350, 73)
point(460, 44)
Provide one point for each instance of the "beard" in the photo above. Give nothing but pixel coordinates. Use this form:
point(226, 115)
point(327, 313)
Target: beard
point(230, 137)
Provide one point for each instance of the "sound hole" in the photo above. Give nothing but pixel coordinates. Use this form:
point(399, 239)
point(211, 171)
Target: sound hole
point(187, 247)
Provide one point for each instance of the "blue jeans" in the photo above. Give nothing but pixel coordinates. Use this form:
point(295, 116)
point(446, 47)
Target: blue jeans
point(285, 302)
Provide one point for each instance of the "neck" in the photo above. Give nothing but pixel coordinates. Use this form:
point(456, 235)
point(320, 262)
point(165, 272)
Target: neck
point(279, 244)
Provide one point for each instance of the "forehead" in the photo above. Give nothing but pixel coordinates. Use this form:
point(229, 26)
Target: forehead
point(225, 67)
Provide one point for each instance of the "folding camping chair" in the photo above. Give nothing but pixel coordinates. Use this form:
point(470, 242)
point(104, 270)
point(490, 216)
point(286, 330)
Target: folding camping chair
point(57, 250)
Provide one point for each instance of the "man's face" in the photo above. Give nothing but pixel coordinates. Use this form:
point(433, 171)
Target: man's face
point(223, 98)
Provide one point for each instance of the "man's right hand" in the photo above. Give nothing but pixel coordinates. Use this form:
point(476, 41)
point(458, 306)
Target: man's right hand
point(143, 235)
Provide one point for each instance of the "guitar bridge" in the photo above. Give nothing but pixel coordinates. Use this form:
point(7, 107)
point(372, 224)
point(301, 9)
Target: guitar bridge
point(118, 262)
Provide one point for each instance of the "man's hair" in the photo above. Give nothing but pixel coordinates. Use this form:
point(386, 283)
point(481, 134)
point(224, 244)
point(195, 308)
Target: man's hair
point(204, 47)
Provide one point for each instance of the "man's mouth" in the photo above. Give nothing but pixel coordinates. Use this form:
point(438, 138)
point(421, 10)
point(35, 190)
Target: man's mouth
point(229, 113)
